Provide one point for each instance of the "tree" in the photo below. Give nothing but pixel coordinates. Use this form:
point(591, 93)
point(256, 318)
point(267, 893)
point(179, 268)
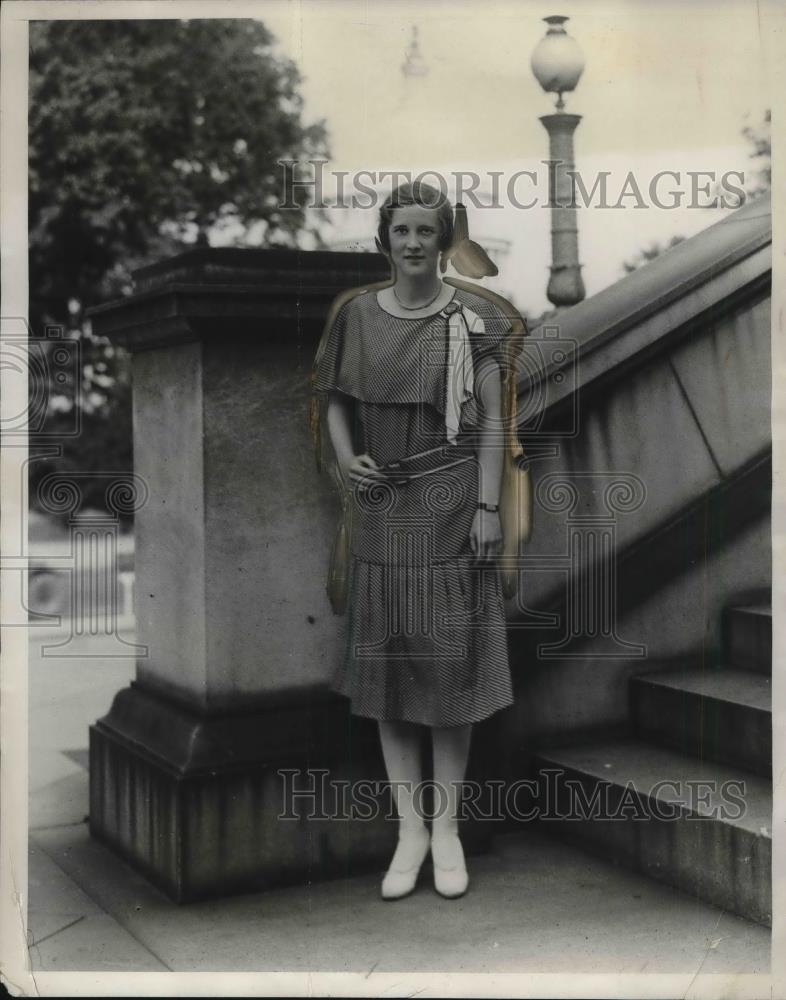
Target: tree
point(760, 138)
point(144, 136)
point(649, 253)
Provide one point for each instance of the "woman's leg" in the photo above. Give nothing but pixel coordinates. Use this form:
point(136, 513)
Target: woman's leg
point(451, 752)
point(401, 750)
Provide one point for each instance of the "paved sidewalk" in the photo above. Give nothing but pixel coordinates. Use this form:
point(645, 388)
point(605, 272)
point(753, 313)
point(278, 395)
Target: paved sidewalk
point(534, 905)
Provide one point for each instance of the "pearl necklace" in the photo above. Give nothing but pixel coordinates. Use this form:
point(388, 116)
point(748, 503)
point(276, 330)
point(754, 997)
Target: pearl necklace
point(424, 305)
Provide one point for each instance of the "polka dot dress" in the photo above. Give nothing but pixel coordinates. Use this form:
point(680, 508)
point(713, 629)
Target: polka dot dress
point(426, 636)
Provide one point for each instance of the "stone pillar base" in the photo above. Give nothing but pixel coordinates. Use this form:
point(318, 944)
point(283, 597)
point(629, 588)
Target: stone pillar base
point(203, 806)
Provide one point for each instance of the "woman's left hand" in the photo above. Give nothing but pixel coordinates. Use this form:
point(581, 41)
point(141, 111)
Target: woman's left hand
point(485, 536)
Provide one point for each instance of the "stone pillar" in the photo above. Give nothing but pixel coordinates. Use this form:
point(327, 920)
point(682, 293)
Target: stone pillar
point(232, 549)
point(566, 286)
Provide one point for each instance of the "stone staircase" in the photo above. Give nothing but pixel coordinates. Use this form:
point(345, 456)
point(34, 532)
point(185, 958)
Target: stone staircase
point(687, 796)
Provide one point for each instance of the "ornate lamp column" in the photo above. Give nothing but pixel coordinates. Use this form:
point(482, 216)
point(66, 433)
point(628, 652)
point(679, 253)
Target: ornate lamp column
point(558, 63)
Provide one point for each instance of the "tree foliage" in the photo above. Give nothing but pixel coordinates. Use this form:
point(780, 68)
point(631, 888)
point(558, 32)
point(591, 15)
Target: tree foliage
point(649, 253)
point(141, 131)
point(759, 137)
point(760, 140)
point(145, 136)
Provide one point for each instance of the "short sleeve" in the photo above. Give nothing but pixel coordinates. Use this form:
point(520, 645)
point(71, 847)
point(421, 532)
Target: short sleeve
point(327, 362)
point(488, 333)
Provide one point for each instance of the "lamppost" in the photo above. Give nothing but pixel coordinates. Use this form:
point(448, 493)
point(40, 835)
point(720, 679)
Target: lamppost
point(558, 62)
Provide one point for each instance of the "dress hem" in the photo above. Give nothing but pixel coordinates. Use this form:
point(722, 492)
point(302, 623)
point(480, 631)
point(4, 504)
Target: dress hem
point(434, 724)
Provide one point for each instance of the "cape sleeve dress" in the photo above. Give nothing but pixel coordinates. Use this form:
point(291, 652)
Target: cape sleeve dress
point(426, 635)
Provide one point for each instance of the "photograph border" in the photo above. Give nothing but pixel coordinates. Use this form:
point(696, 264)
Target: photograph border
point(16, 974)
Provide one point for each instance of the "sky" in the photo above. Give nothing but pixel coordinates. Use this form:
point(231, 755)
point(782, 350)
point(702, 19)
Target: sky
point(667, 86)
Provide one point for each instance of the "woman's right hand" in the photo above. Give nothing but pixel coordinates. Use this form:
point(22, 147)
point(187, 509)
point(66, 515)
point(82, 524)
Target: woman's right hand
point(361, 471)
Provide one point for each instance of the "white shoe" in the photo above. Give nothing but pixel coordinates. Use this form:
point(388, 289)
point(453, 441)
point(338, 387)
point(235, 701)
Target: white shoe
point(450, 871)
point(402, 875)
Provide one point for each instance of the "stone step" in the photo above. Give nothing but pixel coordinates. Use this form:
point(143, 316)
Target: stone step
point(723, 714)
point(747, 633)
point(701, 826)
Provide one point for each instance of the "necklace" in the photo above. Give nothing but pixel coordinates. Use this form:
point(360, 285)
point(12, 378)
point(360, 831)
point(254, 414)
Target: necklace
point(423, 305)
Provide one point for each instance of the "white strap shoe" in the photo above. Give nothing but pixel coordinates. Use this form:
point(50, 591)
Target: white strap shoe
point(450, 871)
point(402, 875)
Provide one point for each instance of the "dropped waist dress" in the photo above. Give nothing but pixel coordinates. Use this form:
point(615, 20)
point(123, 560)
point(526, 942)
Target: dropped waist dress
point(426, 636)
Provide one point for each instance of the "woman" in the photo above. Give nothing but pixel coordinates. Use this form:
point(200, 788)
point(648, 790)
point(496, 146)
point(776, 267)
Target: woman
point(412, 376)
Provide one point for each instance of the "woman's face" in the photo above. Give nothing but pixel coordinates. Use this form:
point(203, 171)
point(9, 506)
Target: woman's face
point(414, 240)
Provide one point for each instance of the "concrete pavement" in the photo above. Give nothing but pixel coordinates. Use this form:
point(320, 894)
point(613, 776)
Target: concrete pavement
point(534, 905)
